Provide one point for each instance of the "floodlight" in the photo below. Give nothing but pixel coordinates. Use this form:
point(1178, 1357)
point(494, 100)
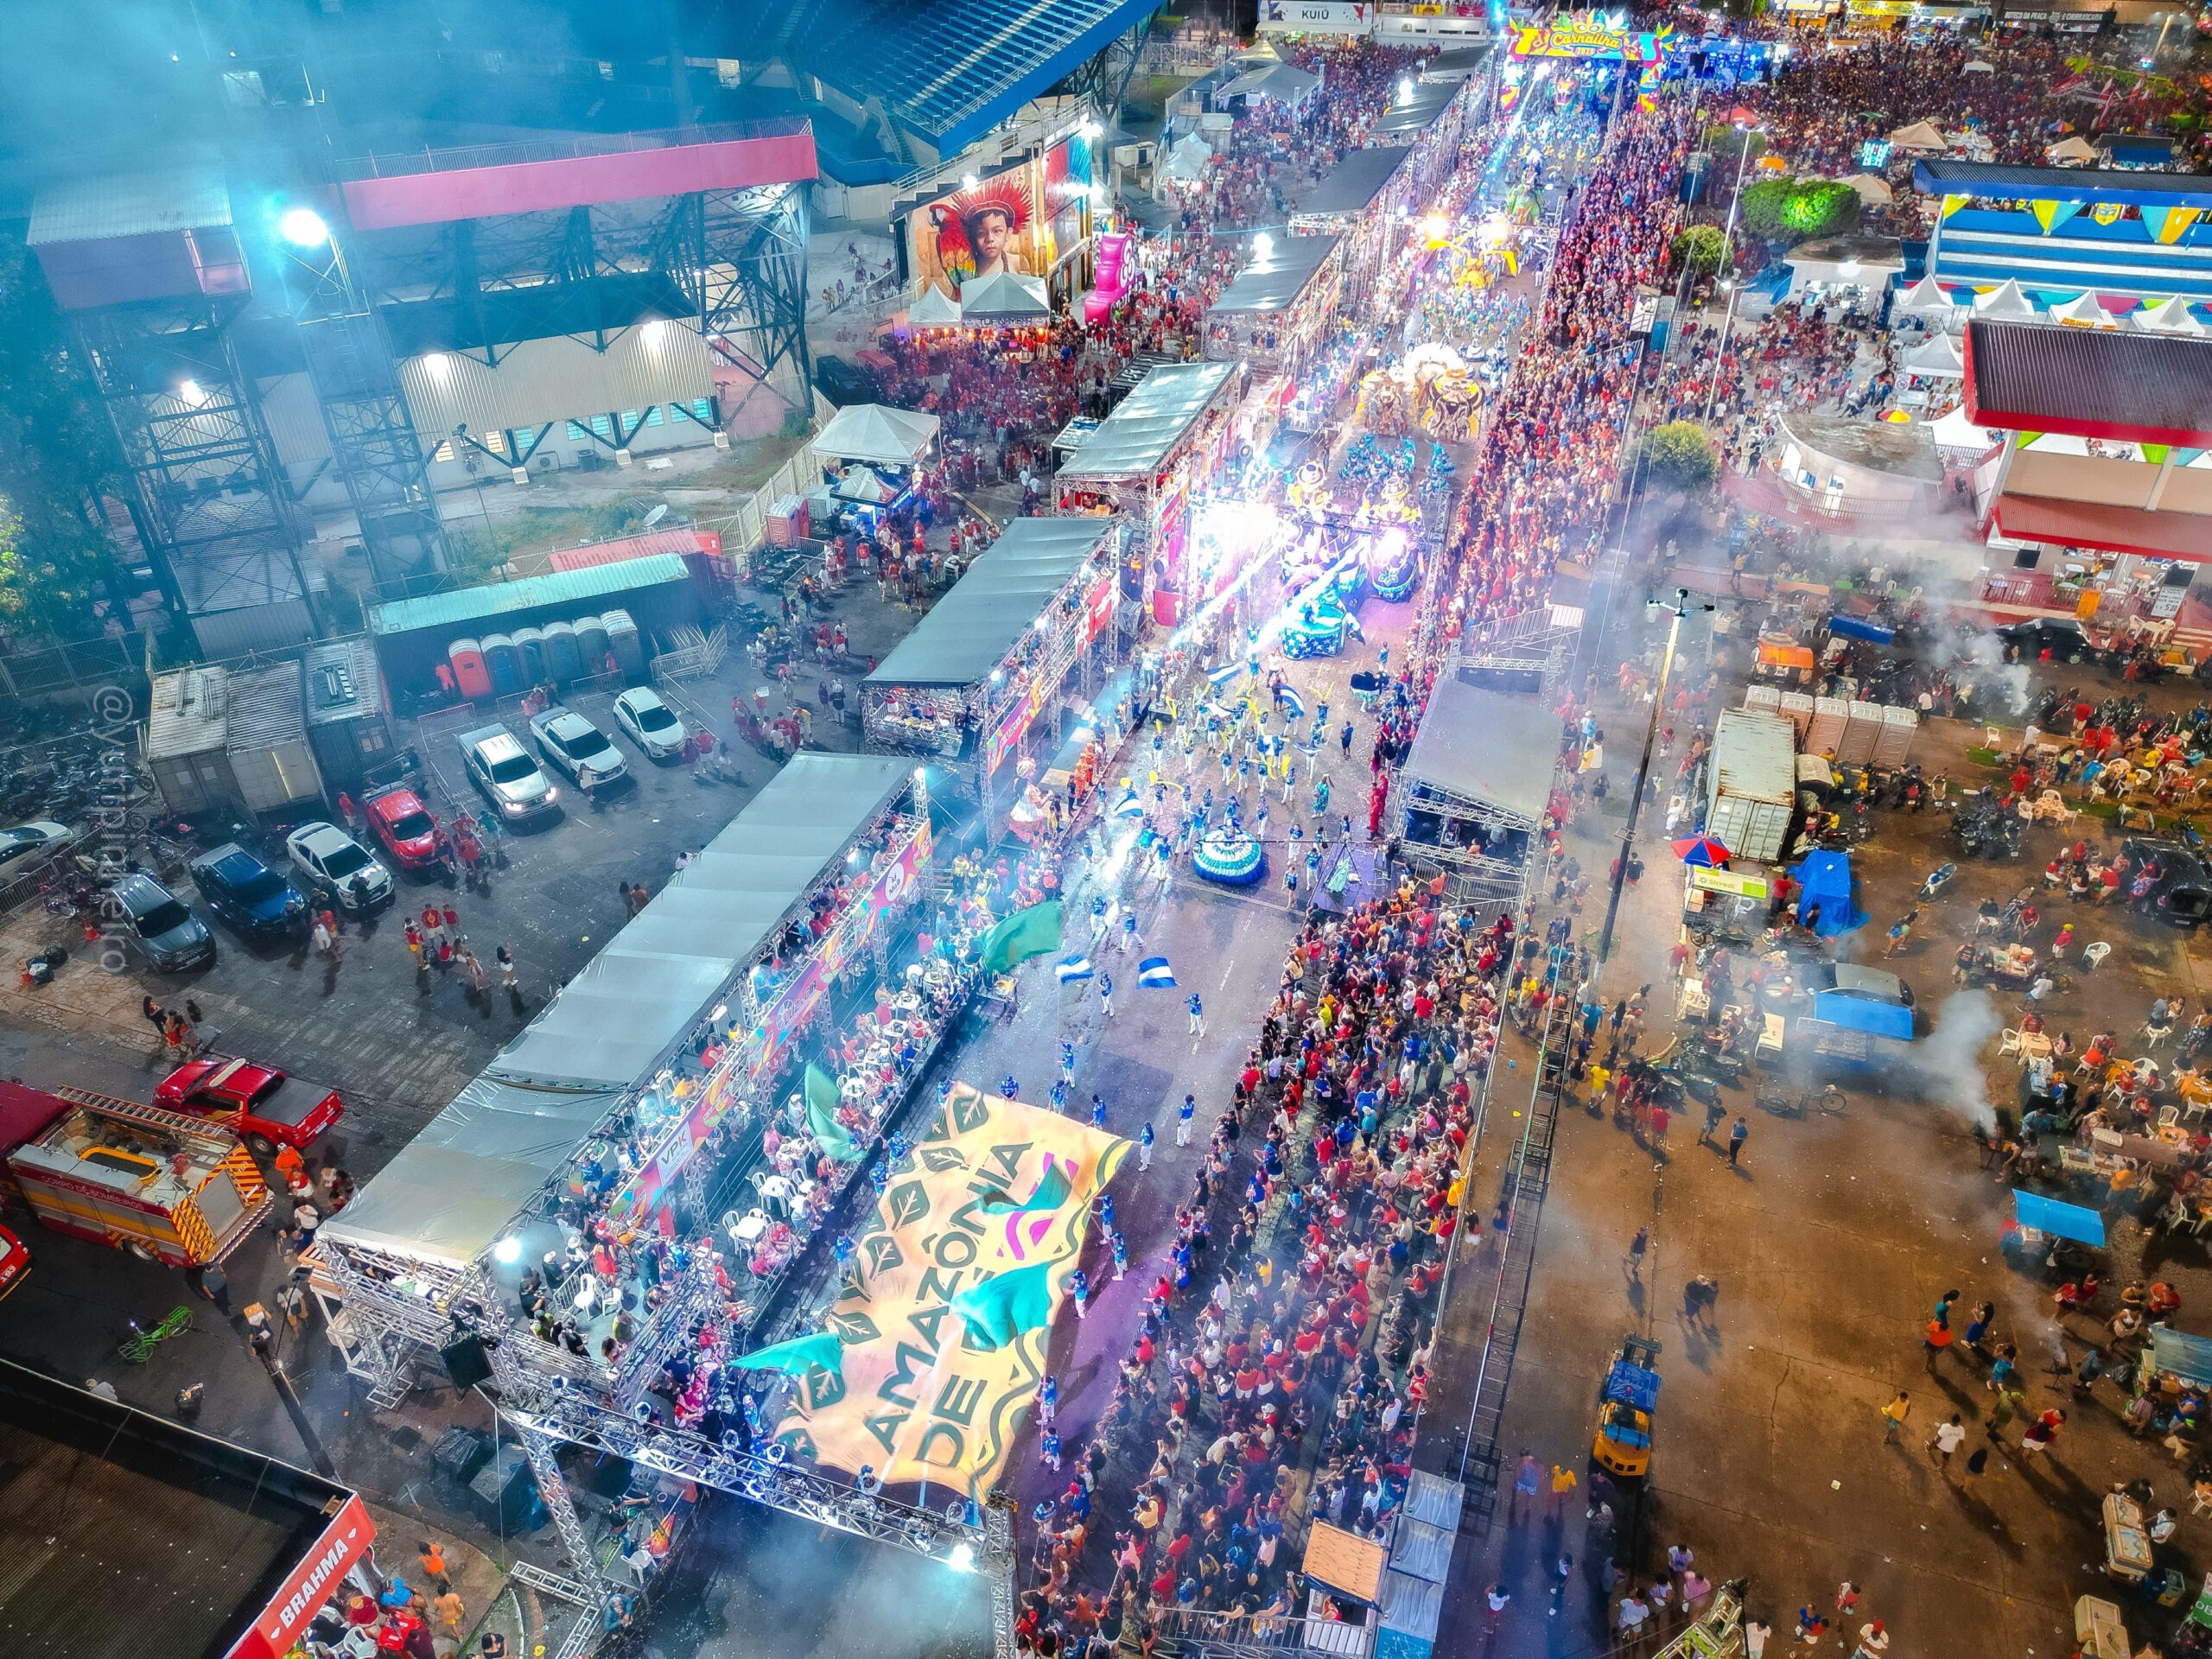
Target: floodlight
point(303, 228)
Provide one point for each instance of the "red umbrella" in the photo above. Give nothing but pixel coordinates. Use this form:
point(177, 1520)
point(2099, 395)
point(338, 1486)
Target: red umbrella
point(1701, 851)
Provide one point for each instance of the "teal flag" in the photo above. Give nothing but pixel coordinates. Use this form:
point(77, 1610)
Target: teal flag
point(822, 1102)
point(998, 1310)
point(1027, 933)
point(821, 1351)
point(1053, 1190)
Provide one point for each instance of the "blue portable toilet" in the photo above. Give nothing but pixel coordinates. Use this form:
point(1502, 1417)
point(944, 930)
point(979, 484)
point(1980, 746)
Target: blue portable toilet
point(591, 644)
point(623, 640)
point(562, 661)
point(503, 666)
point(530, 642)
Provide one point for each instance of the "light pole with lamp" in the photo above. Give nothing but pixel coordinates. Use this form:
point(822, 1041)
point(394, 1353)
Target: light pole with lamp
point(1728, 261)
point(1675, 611)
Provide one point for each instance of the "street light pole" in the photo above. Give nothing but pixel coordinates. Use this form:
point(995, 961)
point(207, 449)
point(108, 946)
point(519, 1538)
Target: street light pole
point(1728, 260)
point(1677, 612)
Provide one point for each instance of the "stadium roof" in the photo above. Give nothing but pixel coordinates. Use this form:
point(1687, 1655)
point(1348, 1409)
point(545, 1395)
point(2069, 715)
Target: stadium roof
point(1484, 745)
point(2000, 180)
point(2119, 383)
point(1151, 420)
point(1272, 282)
point(1354, 181)
point(1408, 117)
point(951, 73)
point(475, 1167)
point(178, 195)
point(969, 632)
point(131, 1537)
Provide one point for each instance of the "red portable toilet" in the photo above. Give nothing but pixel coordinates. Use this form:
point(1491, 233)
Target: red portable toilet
point(470, 678)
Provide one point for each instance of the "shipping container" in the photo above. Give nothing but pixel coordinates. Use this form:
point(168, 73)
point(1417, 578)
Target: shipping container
point(1751, 783)
point(186, 730)
point(348, 726)
point(270, 755)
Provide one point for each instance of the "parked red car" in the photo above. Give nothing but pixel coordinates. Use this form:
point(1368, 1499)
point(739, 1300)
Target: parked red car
point(14, 1261)
point(257, 1103)
point(403, 826)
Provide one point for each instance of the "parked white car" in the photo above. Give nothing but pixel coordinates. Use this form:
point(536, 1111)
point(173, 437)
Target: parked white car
point(573, 744)
point(503, 770)
point(651, 724)
point(336, 864)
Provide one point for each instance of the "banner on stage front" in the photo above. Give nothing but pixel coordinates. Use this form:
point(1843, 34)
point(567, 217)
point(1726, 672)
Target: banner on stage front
point(1582, 42)
point(1316, 17)
point(944, 1318)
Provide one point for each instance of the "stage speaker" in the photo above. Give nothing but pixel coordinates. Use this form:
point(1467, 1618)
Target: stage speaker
point(462, 1452)
point(506, 1497)
point(466, 1363)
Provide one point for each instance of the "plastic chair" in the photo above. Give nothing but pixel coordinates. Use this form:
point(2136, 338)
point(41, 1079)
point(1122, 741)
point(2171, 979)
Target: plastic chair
point(2169, 1116)
point(2010, 1044)
point(2093, 955)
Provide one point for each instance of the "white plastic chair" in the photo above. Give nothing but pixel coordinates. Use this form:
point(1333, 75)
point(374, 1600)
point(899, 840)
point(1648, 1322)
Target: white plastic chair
point(2010, 1044)
point(2093, 955)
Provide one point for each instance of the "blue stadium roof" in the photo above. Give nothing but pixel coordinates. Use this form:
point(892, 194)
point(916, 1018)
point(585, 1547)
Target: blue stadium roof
point(949, 72)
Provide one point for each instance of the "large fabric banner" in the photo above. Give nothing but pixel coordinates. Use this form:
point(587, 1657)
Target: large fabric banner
point(937, 1342)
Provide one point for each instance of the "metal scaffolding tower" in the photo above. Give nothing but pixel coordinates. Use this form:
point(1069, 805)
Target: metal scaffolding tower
point(379, 455)
point(748, 254)
point(209, 502)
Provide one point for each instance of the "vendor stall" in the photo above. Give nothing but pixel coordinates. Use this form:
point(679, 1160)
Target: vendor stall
point(1028, 626)
point(1145, 464)
point(1473, 790)
point(1281, 306)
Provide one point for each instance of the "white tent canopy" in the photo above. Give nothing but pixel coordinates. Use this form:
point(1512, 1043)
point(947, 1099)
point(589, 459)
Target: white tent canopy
point(935, 309)
point(1187, 159)
point(1872, 191)
point(1956, 431)
point(1284, 82)
point(1921, 135)
point(2083, 312)
point(2075, 149)
point(874, 432)
point(2169, 316)
point(1936, 358)
point(1978, 67)
point(2006, 303)
point(1923, 298)
point(1005, 297)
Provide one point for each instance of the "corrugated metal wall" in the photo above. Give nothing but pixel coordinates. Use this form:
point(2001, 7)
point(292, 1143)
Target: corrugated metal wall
point(542, 380)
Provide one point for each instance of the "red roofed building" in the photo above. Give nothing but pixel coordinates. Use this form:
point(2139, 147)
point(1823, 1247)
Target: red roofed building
point(2104, 482)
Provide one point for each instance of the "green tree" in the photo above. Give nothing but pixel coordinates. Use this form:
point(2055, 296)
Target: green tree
point(1788, 211)
point(1700, 247)
point(57, 456)
point(1680, 456)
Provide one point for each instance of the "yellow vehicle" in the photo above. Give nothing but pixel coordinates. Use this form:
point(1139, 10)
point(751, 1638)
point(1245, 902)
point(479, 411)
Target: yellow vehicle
point(1630, 1394)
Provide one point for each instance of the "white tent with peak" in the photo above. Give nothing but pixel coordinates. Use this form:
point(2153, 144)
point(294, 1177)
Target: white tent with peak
point(2074, 151)
point(2169, 316)
point(1873, 192)
point(1956, 431)
point(1921, 135)
point(877, 433)
point(935, 309)
point(1937, 358)
point(2007, 302)
point(1924, 298)
point(2083, 312)
point(1005, 297)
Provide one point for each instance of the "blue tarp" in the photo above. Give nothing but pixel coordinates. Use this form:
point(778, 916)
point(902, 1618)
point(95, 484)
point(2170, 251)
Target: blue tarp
point(1637, 1385)
point(1857, 1014)
point(2060, 1220)
point(1854, 627)
point(1825, 878)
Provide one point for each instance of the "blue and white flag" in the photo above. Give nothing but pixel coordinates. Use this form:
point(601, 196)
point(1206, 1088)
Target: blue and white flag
point(1222, 675)
point(1155, 973)
point(1291, 701)
point(1074, 971)
point(1129, 806)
